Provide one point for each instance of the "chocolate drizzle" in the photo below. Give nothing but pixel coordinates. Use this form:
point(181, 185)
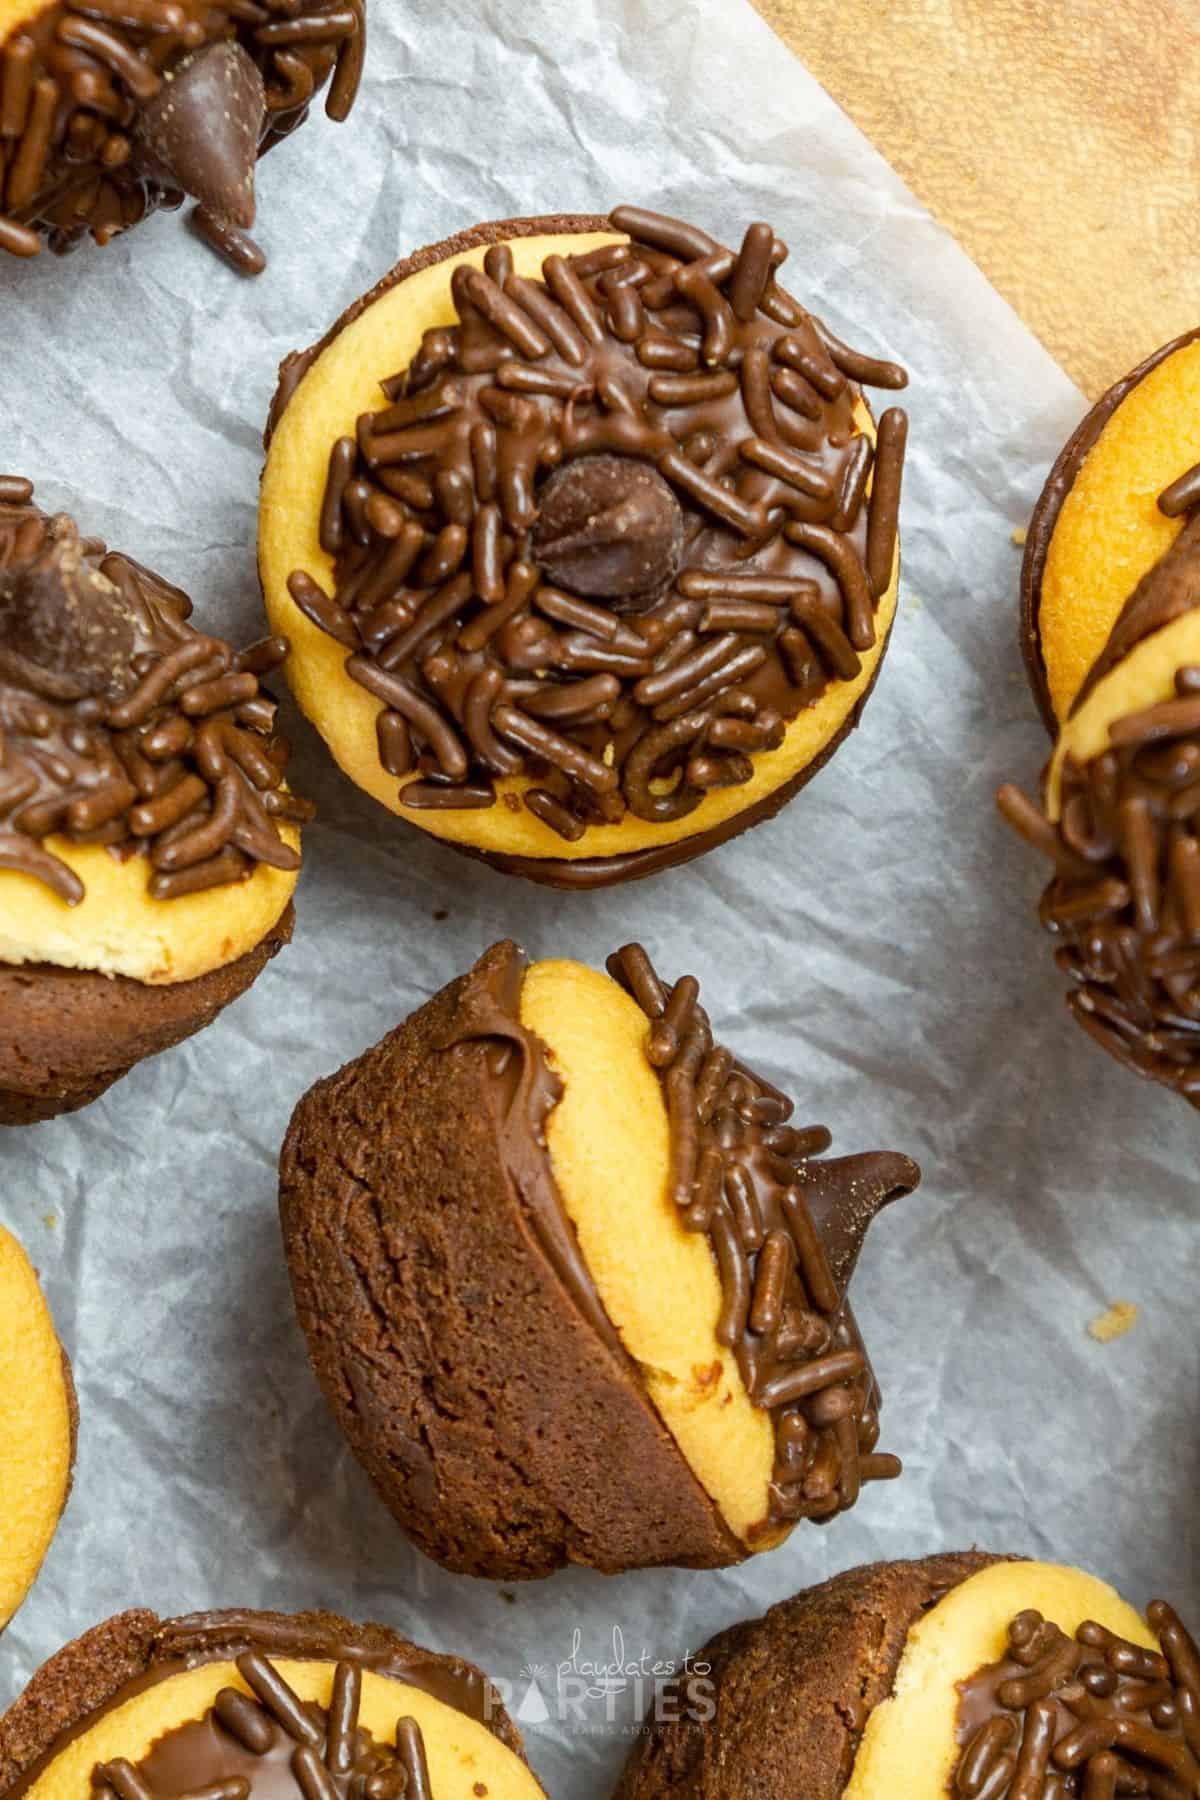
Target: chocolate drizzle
point(1124, 903)
point(275, 1746)
point(526, 1092)
point(740, 544)
point(786, 1228)
point(122, 725)
point(1092, 1715)
point(78, 78)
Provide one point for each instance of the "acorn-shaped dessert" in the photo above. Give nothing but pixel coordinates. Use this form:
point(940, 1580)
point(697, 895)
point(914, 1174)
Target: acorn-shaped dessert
point(38, 1425)
point(585, 537)
point(149, 846)
point(966, 1675)
point(110, 109)
point(230, 1705)
point(574, 1286)
point(1111, 625)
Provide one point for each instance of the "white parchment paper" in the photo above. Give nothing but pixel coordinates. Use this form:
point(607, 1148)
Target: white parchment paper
point(874, 948)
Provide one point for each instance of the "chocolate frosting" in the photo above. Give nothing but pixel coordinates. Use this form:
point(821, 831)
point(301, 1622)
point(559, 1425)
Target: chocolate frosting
point(112, 111)
point(785, 1228)
point(122, 724)
point(525, 1091)
point(1092, 1715)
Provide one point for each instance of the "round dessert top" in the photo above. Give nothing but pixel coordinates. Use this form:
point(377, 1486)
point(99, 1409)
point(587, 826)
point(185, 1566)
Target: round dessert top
point(111, 110)
point(609, 559)
point(145, 825)
point(36, 1426)
point(1033, 1681)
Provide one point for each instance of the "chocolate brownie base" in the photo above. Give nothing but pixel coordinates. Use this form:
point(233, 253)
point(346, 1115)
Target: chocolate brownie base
point(86, 1675)
point(69, 1034)
point(792, 1690)
point(505, 1435)
point(560, 871)
point(1045, 517)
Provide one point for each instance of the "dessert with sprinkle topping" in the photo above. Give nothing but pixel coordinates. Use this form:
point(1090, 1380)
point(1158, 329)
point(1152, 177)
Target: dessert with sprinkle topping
point(1111, 629)
point(573, 1282)
point(972, 1676)
point(149, 844)
point(586, 539)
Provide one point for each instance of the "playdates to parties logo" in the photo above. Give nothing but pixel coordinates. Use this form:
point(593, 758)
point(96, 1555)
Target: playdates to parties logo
point(615, 1687)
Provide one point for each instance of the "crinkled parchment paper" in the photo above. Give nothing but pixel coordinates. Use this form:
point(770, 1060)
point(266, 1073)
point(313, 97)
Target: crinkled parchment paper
point(874, 948)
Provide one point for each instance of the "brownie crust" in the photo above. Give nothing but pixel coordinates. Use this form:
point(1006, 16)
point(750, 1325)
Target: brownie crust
point(792, 1690)
point(566, 873)
point(69, 1034)
point(501, 1430)
point(89, 1672)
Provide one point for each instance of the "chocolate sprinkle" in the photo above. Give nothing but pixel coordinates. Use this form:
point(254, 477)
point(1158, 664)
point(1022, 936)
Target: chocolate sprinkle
point(1092, 1715)
point(318, 1754)
point(92, 139)
point(1124, 903)
point(785, 1228)
point(581, 447)
point(122, 725)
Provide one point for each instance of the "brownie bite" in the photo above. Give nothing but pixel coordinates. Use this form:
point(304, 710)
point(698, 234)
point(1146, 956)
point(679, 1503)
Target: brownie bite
point(574, 1286)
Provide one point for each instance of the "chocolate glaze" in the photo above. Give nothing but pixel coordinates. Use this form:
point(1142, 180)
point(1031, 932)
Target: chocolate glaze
point(785, 1227)
point(1045, 517)
point(525, 1091)
point(589, 872)
point(1058, 1716)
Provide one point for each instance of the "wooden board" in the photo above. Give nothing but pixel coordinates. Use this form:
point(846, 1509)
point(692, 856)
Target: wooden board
point(1059, 140)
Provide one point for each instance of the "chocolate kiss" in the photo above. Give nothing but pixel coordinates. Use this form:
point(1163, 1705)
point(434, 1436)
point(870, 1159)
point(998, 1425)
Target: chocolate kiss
point(844, 1195)
point(201, 130)
point(64, 619)
point(609, 528)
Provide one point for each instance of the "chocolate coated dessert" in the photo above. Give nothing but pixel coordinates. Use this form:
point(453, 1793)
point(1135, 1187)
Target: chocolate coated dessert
point(604, 572)
point(1112, 631)
point(529, 1383)
point(110, 109)
point(243, 1703)
point(148, 842)
point(39, 1422)
point(965, 1675)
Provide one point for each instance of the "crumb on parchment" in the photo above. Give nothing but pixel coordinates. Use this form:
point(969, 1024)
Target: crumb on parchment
point(1120, 1317)
point(1019, 537)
